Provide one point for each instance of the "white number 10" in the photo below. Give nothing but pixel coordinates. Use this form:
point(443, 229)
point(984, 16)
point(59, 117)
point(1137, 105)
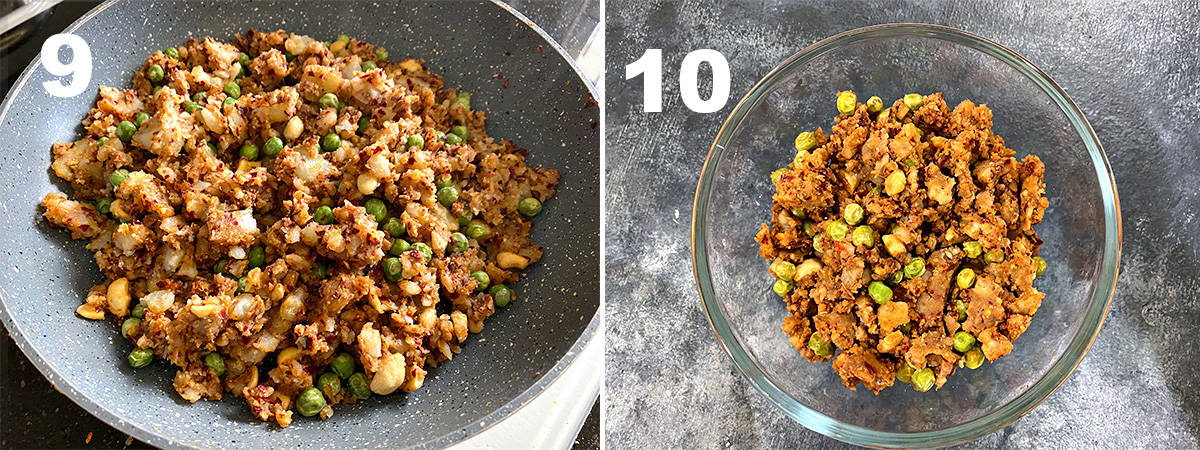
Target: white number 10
point(650, 65)
point(80, 67)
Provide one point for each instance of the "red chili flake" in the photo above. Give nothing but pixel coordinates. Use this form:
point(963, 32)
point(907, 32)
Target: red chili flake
point(506, 84)
point(539, 49)
point(507, 54)
point(89, 438)
point(497, 75)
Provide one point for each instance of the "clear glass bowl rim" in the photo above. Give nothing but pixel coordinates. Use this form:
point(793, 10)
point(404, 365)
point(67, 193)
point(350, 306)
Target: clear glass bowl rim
point(1101, 296)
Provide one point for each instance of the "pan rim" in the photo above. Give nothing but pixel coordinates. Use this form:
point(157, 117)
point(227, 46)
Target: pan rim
point(114, 420)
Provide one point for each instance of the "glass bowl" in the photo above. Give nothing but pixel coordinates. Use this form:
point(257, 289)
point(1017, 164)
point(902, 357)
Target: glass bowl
point(1081, 229)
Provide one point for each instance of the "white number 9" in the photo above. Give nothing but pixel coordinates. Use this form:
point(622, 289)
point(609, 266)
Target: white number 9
point(80, 67)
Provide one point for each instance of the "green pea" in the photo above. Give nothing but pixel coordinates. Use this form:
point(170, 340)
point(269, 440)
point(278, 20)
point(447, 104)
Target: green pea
point(342, 365)
point(447, 195)
point(837, 230)
point(310, 402)
point(914, 101)
point(288, 56)
point(994, 256)
point(879, 292)
point(846, 102)
point(816, 244)
point(963, 341)
point(853, 214)
point(782, 287)
point(960, 307)
point(393, 269)
point(155, 90)
point(104, 205)
point(444, 182)
point(453, 139)
point(140, 118)
point(965, 278)
point(118, 176)
point(438, 135)
point(459, 242)
point(972, 248)
point(199, 96)
point(230, 101)
point(915, 268)
point(329, 100)
point(399, 246)
point(219, 267)
point(974, 358)
point(272, 147)
point(1041, 266)
point(324, 215)
point(922, 380)
point(358, 386)
point(368, 66)
point(425, 251)
point(377, 208)
point(100, 142)
point(329, 384)
point(171, 52)
point(896, 277)
point(416, 141)
point(463, 99)
point(529, 206)
point(131, 327)
point(904, 373)
point(125, 130)
point(501, 295)
point(320, 271)
point(212, 148)
point(863, 235)
point(241, 284)
point(139, 311)
point(233, 90)
point(797, 213)
point(394, 227)
point(140, 358)
point(477, 231)
point(806, 141)
point(215, 362)
point(155, 73)
point(464, 219)
point(363, 123)
point(783, 270)
point(808, 228)
point(460, 131)
point(482, 280)
point(249, 151)
point(243, 59)
point(381, 54)
point(819, 345)
point(331, 142)
point(191, 107)
point(257, 256)
point(874, 105)
point(343, 38)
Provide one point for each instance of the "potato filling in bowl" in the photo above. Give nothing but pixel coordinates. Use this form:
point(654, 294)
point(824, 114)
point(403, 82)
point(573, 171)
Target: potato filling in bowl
point(296, 223)
point(904, 241)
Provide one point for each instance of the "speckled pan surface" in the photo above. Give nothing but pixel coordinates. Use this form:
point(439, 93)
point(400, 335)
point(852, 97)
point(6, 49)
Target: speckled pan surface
point(539, 101)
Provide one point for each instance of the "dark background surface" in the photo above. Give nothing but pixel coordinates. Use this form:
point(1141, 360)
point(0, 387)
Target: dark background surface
point(33, 414)
point(1131, 66)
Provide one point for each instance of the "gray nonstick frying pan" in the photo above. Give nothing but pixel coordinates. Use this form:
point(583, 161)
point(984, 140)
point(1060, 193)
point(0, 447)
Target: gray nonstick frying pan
point(539, 100)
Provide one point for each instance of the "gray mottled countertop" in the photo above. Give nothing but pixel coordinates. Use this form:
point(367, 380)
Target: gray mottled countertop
point(1133, 68)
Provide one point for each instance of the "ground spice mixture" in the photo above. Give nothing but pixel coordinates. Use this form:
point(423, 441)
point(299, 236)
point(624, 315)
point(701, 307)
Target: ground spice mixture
point(294, 222)
point(903, 242)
